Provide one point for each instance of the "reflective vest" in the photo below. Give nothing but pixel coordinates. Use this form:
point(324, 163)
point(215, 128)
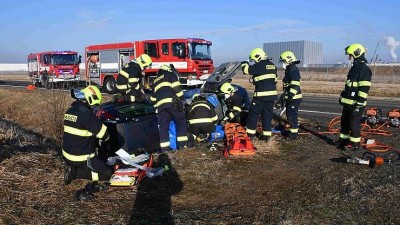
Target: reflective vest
point(234, 105)
point(129, 77)
point(357, 85)
point(291, 82)
point(165, 87)
point(81, 128)
point(202, 112)
point(264, 78)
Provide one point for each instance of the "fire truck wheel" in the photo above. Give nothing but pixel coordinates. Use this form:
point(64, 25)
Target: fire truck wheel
point(109, 85)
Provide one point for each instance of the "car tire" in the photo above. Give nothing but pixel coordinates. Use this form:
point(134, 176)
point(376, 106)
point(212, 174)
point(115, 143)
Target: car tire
point(110, 86)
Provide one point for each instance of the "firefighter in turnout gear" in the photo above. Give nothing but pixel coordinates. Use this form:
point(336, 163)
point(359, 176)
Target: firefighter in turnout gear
point(354, 97)
point(201, 117)
point(129, 79)
point(234, 103)
point(81, 131)
point(291, 91)
point(265, 76)
point(167, 97)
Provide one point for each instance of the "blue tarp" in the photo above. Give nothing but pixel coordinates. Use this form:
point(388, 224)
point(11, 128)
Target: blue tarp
point(172, 136)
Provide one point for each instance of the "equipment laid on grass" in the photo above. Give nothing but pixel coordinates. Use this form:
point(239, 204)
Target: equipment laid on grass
point(132, 169)
point(393, 117)
point(368, 158)
point(237, 141)
point(373, 115)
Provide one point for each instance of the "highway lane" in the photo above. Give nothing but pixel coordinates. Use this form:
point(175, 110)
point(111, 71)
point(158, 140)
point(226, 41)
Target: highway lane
point(313, 104)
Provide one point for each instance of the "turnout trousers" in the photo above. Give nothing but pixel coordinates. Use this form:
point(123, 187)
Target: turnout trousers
point(265, 108)
point(292, 114)
point(350, 125)
point(93, 169)
point(164, 119)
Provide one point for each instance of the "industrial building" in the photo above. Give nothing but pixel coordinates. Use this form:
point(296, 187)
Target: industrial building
point(308, 52)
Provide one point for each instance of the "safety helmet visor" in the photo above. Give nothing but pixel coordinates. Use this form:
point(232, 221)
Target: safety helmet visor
point(77, 94)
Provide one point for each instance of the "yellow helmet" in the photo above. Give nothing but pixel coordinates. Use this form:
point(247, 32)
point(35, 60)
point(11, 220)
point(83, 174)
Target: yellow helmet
point(257, 55)
point(356, 50)
point(92, 95)
point(165, 67)
point(144, 61)
point(287, 57)
point(227, 88)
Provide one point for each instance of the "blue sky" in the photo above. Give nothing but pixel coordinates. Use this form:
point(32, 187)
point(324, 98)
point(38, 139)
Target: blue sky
point(234, 27)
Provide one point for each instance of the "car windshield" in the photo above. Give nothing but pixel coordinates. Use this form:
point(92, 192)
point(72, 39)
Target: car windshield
point(136, 110)
point(200, 51)
point(64, 59)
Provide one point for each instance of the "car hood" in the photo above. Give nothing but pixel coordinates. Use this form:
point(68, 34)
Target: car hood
point(224, 73)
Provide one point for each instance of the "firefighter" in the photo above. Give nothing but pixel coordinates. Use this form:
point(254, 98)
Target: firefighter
point(81, 131)
point(233, 102)
point(264, 78)
point(202, 118)
point(291, 91)
point(354, 98)
point(129, 79)
point(167, 97)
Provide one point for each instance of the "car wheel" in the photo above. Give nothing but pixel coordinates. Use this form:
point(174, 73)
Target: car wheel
point(109, 85)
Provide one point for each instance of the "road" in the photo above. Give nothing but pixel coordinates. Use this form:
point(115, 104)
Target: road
point(312, 105)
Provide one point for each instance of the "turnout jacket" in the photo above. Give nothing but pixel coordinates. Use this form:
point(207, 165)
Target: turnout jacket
point(234, 105)
point(291, 82)
point(357, 85)
point(201, 112)
point(129, 77)
point(165, 87)
point(81, 128)
point(264, 78)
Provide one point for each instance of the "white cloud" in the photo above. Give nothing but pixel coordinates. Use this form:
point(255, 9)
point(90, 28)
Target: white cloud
point(94, 20)
point(251, 28)
point(299, 32)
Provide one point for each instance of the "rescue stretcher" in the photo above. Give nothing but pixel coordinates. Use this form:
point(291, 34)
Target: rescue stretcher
point(238, 142)
point(130, 170)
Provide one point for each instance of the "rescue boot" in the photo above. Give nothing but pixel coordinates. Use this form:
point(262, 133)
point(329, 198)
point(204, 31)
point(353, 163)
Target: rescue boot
point(264, 138)
point(291, 136)
point(83, 195)
point(69, 174)
point(340, 143)
point(94, 187)
point(352, 146)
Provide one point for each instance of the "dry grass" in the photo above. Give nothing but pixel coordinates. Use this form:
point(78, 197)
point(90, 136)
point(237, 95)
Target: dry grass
point(287, 183)
point(39, 111)
point(270, 147)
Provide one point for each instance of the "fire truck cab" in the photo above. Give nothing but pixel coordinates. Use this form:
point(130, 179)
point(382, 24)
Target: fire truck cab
point(54, 68)
point(190, 56)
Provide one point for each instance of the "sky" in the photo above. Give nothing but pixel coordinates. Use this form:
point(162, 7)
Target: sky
point(234, 27)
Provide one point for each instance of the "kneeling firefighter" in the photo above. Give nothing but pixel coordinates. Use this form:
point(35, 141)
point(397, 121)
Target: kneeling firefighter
point(354, 98)
point(167, 96)
point(201, 117)
point(81, 131)
point(233, 103)
point(291, 91)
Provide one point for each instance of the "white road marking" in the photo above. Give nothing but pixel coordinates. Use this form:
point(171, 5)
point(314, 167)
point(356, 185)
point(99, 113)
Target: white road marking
point(320, 112)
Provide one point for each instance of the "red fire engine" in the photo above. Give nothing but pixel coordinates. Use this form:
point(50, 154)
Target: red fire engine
point(190, 56)
point(49, 69)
